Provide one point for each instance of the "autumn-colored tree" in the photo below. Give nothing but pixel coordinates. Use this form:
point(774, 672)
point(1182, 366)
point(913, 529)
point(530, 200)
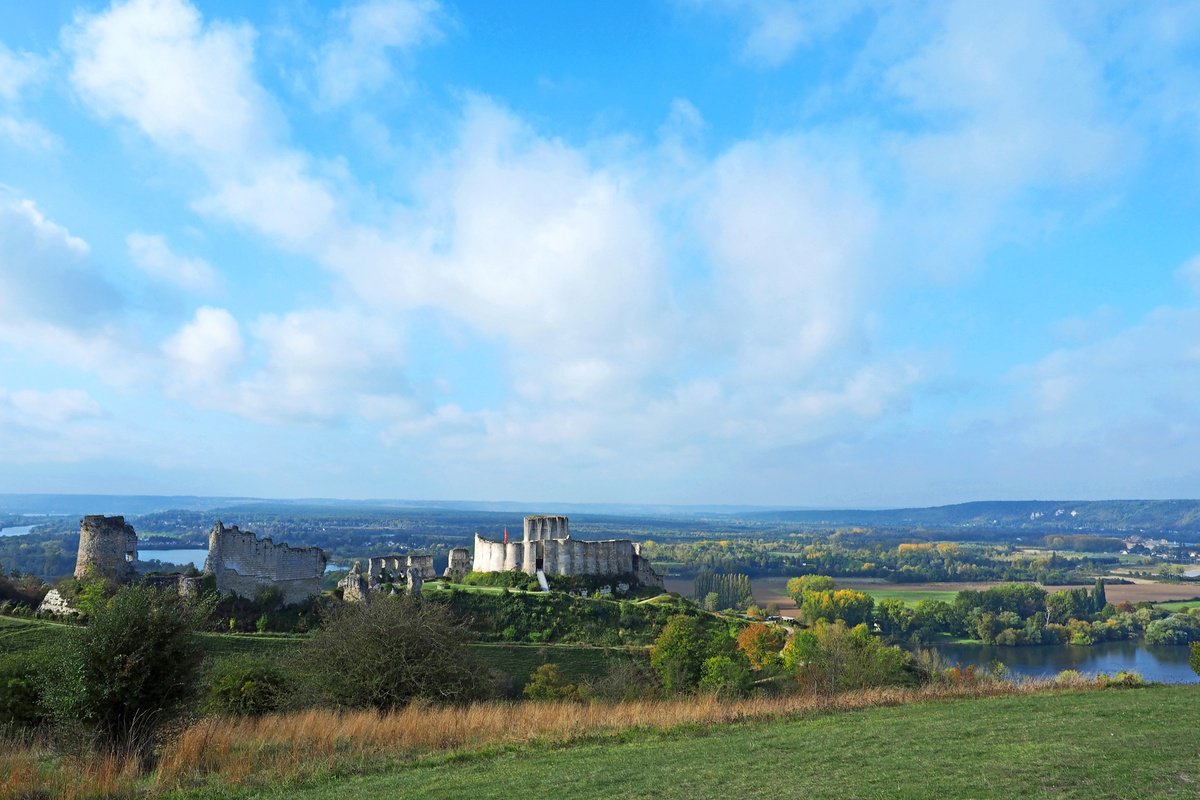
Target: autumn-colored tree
point(761, 644)
point(847, 605)
point(798, 587)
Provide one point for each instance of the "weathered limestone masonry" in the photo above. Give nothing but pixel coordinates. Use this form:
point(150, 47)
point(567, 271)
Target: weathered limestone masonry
point(459, 564)
point(547, 545)
point(54, 603)
point(242, 564)
point(107, 548)
point(354, 585)
point(394, 568)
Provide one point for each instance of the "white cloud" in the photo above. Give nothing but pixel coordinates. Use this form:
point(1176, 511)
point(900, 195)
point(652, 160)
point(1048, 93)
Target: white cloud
point(18, 71)
point(189, 86)
point(1189, 273)
point(1018, 99)
point(773, 30)
point(790, 225)
point(152, 254)
point(359, 59)
point(54, 301)
point(45, 409)
point(204, 352)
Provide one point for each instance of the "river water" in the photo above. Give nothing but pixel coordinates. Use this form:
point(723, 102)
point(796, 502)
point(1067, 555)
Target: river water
point(1161, 663)
point(18, 530)
point(182, 557)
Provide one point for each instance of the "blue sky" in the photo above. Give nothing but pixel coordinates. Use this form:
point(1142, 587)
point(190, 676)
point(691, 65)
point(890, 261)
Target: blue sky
point(693, 251)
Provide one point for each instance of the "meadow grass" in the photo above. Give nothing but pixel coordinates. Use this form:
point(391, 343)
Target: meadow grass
point(1111, 744)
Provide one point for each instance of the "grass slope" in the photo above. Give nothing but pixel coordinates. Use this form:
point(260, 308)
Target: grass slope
point(578, 662)
point(1113, 744)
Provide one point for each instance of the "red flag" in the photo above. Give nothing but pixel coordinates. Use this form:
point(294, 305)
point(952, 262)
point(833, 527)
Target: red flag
point(506, 535)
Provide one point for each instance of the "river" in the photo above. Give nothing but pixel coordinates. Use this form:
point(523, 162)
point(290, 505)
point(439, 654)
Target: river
point(192, 555)
point(1161, 663)
point(18, 530)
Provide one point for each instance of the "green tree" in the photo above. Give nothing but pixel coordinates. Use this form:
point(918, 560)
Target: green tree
point(834, 658)
point(847, 605)
point(1099, 596)
point(390, 651)
point(135, 662)
point(894, 617)
point(679, 652)
point(726, 677)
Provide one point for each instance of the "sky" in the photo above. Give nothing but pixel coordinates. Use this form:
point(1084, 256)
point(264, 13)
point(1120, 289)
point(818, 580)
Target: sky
point(771, 252)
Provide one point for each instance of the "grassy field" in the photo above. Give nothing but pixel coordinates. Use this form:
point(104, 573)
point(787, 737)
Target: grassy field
point(1178, 605)
point(1110, 744)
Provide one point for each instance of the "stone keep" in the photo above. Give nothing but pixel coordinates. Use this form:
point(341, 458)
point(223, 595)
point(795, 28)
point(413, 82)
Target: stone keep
point(547, 545)
point(243, 564)
point(107, 548)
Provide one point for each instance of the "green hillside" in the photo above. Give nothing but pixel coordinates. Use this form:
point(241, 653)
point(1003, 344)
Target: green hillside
point(1113, 744)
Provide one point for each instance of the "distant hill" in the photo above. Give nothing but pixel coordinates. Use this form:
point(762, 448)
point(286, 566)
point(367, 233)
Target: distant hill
point(1157, 517)
point(1165, 518)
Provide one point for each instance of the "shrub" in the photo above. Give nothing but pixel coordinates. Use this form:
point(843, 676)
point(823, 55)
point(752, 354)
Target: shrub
point(247, 686)
point(627, 679)
point(390, 651)
point(547, 683)
point(135, 662)
point(22, 703)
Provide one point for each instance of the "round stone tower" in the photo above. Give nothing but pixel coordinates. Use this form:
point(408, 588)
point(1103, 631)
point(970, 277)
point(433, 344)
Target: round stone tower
point(107, 548)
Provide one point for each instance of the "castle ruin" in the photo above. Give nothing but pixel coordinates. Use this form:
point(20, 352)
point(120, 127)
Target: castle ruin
point(107, 548)
point(547, 547)
point(458, 565)
point(395, 568)
point(242, 564)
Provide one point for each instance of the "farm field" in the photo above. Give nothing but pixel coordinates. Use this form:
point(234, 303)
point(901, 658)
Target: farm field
point(1039, 746)
point(774, 590)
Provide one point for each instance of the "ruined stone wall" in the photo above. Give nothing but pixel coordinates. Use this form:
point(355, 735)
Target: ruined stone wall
point(546, 526)
point(459, 564)
point(354, 585)
point(107, 548)
point(395, 568)
point(243, 564)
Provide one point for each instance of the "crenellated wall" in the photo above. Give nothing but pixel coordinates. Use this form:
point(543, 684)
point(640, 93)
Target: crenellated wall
point(547, 543)
point(243, 564)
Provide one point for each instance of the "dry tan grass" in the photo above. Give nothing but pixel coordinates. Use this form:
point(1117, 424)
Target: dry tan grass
point(232, 751)
point(293, 745)
point(29, 773)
